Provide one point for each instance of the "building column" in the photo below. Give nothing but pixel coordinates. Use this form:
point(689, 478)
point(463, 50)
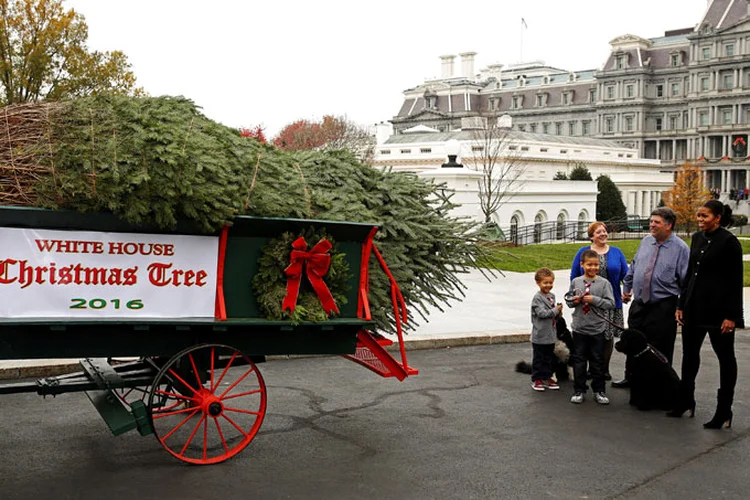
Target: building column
point(658, 149)
point(674, 149)
point(637, 204)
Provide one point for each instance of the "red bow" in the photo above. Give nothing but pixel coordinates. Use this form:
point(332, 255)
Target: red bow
point(318, 262)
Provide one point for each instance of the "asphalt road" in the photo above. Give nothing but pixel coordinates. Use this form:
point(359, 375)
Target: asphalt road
point(467, 427)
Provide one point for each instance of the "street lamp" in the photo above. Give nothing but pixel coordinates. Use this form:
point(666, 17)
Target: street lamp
point(452, 148)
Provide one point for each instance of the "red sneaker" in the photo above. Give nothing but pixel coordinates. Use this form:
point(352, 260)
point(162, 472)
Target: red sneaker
point(538, 385)
point(551, 385)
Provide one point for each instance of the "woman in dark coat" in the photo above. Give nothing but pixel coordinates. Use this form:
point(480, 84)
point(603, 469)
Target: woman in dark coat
point(711, 302)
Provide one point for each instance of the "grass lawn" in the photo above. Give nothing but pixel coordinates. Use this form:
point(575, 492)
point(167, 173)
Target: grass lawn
point(529, 258)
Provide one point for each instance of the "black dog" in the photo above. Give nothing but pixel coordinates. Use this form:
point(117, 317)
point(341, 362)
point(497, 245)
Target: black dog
point(563, 348)
point(653, 382)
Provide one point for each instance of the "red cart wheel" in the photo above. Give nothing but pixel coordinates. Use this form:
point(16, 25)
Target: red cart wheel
point(207, 403)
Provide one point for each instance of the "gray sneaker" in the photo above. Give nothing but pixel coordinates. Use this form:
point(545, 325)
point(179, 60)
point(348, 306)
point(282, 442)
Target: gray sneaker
point(601, 398)
point(577, 398)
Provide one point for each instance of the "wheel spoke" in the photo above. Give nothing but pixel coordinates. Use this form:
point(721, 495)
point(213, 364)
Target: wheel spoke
point(192, 435)
point(238, 410)
point(248, 393)
point(211, 371)
point(226, 368)
point(185, 420)
point(239, 429)
point(205, 438)
point(174, 395)
point(163, 414)
point(174, 374)
point(221, 435)
point(195, 370)
point(251, 370)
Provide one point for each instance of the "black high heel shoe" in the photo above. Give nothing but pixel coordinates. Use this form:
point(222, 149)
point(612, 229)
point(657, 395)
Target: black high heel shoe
point(721, 419)
point(680, 410)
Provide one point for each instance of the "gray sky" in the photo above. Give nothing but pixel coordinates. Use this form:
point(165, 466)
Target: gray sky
point(272, 62)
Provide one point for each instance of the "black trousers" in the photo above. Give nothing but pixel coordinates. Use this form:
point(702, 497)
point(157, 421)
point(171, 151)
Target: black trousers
point(723, 345)
point(656, 320)
point(541, 362)
point(588, 351)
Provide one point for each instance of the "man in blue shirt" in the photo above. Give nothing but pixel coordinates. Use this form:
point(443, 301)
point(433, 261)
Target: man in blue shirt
point(654, 280)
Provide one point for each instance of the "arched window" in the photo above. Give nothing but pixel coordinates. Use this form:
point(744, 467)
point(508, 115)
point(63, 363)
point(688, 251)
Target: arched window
point(514, 229)
point(560, 227)
point(538, 220)
point(582, 226)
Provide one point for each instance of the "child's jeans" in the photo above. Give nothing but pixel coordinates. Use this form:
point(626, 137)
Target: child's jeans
point(588, 349)
point(541, 362)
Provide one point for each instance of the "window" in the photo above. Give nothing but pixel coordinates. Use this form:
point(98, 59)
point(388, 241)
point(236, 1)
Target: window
point(524, 148)
point(385, 151)
point(517, 101)
point(703, 118)
point(558, 128)
point(609, 125)
point(477, 148)
point(728, 81)
point(533, 128)
point(705, 83)
point(566, 98)
point(585, 128)
point(660, 91)
point(425, 150)
point(726, 116)
point(592, 95)
point(563, 151)
point(543, 150)
point(545, 128)
point(706, 52)
point(522, 128)
point(540, 100)
point(572, 128)
point(611, 92)
point(675, 59)
point(729, 50)
point(492, 105)
point(672, 123)
point(657, 124)
point(675, 89)
point(512, 148)
point(620, 62)
point(405, 151)
point(630, 90)
point(629, 123)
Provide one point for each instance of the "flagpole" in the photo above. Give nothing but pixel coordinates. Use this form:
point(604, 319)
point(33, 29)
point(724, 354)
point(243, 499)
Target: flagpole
point(523, 25)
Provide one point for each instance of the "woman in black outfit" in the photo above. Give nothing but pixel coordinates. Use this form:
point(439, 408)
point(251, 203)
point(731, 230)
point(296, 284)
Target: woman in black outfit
point(711, 302)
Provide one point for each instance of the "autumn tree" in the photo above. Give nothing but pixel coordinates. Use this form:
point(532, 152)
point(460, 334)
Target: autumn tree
point(687, 195)
point(332, 133)
point(257, 132)
point(493, 155)
point(43, 55)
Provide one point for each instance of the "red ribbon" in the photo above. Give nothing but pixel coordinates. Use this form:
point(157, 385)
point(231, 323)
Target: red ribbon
point(318, 261)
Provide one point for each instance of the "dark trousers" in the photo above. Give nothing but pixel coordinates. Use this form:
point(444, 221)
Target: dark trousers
point(723, 345)
point(541, 362)
point(588, 350)
point(656, 321)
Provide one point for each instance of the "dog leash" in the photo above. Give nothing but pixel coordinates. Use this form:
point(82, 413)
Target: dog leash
point(656, 353)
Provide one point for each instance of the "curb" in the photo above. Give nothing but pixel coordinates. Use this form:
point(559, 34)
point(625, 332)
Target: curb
point(54, 369)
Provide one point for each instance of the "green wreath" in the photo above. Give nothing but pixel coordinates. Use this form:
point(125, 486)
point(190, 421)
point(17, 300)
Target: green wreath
point(269, 284)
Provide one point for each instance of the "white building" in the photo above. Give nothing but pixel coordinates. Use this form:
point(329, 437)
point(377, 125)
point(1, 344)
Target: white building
point(535, 197)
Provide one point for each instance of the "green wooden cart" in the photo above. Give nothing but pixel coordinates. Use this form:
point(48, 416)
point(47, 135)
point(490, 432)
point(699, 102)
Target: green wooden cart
point(192, 382)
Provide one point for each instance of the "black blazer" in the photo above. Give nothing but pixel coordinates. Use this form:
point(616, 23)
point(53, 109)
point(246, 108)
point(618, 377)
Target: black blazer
point(714, 281)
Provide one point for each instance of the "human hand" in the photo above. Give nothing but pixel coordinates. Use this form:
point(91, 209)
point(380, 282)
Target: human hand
point(559, 309)
point(588, 299)
point(727, 326)
point(626, 297)
point(678, 317)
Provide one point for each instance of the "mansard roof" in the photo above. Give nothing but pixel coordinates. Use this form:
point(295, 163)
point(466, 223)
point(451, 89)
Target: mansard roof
point(723, 14)
point(514, 136)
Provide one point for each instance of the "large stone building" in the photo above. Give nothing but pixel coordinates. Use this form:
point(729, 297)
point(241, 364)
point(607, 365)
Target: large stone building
point(683, 96)
point(531, 161)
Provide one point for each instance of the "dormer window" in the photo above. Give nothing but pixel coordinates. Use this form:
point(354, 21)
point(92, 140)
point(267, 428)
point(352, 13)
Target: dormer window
point(571, 77)
point(675, 59)
point(621, 61)
point(521, 80)
point(517, 102)
point(540, 100)
point(545, 80)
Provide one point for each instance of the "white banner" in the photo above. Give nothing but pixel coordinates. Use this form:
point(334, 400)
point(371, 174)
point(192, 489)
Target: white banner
point(86, 274)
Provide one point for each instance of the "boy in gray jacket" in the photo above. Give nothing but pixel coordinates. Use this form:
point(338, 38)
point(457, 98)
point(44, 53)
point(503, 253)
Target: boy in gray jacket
point(543, 333)
point(587, 294)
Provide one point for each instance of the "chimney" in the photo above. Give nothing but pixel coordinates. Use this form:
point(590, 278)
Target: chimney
point(447, 65)
point(467, 64)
